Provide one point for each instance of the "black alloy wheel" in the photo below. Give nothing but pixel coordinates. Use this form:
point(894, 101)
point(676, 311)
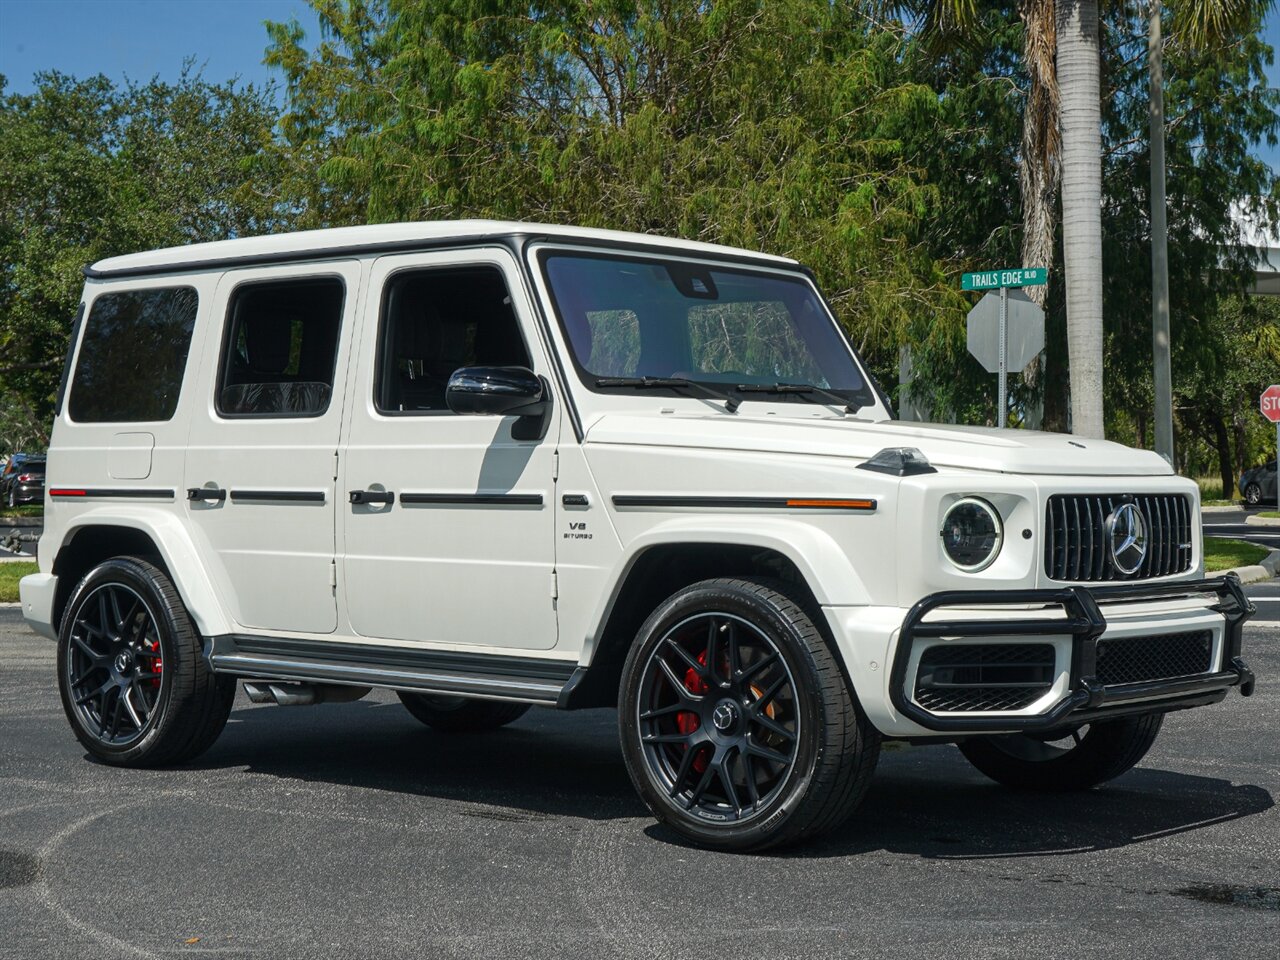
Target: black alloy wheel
point(738, 727)
point(131, 669)
point(114, 667)
point(718, 717)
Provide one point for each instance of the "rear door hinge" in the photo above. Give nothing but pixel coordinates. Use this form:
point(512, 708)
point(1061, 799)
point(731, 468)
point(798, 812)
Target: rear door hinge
point(555, 586)
point(555, 465)
point(333, 574)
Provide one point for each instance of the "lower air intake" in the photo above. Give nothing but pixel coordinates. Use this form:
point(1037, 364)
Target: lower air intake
point(1166, 657)
point(972, 677)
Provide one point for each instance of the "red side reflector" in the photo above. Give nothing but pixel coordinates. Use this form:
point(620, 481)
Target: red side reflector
point(61, 492)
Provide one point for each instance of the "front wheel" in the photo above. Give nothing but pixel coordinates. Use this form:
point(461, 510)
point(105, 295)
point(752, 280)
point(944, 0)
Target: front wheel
point(131, 673)
point(1066, 760)
point(738, 728)
point(1253, 494)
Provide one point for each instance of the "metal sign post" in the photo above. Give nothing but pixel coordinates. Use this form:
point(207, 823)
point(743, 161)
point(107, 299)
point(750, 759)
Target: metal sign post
point(1002, 404)
point(1026, 318)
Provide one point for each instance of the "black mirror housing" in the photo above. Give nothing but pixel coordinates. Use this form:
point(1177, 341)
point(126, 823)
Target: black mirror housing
point(502, 391)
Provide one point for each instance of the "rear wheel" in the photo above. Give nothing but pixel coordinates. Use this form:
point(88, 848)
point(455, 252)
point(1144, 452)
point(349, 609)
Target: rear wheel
point(461, 714)
point(1065, 760)
point(1253, 494)
point(738, 728)
point(131, 672)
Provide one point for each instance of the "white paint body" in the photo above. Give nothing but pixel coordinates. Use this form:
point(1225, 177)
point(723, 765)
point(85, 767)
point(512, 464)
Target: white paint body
point(519, 581)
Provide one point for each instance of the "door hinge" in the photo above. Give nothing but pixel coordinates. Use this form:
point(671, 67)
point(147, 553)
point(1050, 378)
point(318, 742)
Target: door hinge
point(555, 586)
point(555, 465)
point(335, 465)
point(333, 574)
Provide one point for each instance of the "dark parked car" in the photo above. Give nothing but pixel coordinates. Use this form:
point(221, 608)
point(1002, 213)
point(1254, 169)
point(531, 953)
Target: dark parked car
point(22, 480)
point(1259, 484)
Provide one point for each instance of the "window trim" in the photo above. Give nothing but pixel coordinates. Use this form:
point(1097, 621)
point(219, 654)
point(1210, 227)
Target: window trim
point(225, 338)
point(76, 350)
point(380, 354)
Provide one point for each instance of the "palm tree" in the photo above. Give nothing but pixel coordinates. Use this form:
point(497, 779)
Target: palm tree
point(1062, 138)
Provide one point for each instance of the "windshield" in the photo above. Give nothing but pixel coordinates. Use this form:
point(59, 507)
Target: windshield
point(632, 317)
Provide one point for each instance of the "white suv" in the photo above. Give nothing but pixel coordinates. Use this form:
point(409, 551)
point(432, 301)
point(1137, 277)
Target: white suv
point(489, 465)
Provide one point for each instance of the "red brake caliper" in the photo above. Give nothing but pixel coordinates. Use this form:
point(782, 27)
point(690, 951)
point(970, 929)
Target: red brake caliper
point(157, 665)
point(686, 721)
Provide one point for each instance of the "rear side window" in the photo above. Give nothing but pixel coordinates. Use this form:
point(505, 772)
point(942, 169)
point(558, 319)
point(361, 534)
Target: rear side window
point(132, 356)
point(280, 348)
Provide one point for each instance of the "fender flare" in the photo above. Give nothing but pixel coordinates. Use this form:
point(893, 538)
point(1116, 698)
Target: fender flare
point(173, 542)
point(823, 564)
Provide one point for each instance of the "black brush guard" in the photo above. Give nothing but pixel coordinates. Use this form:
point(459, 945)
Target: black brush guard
point(1087, 698)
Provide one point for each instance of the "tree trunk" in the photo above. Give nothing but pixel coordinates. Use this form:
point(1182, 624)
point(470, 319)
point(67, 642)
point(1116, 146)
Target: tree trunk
point(1222, 441)
point(1041, 144)
point(1081, 127)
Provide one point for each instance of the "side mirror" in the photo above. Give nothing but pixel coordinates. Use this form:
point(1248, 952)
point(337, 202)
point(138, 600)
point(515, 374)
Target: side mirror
point(502, 391)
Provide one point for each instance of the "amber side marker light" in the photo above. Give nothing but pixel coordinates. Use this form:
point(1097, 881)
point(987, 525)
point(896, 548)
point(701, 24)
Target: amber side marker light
point(834, 504)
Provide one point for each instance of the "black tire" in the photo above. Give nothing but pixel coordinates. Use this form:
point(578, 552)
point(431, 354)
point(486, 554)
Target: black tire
point(1075, 761)
point(1253, 494)
point(146, 695)
point(462, 714)
point(787, 753)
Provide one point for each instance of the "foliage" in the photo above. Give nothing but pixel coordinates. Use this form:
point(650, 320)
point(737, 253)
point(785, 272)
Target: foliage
point(11, 571)
point(90, 170)
point(768, 125)
point(1221, 554)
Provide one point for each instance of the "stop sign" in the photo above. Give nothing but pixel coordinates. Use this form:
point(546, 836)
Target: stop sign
point(1269, 403)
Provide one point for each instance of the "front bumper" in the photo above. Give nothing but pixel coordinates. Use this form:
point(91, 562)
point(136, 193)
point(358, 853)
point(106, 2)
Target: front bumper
point(1075, 613)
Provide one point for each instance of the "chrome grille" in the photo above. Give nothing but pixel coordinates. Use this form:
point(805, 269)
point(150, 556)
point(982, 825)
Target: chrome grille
point(1076, 547)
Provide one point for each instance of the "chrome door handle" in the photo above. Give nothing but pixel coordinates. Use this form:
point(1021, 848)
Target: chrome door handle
point(372, 496)
point(216, 494)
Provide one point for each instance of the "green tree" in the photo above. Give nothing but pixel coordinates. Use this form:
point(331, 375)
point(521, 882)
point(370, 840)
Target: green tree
point(90, 170)
point(774, 125)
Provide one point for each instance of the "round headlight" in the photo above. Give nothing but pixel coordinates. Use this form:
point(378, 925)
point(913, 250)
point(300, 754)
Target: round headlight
point(972, 534)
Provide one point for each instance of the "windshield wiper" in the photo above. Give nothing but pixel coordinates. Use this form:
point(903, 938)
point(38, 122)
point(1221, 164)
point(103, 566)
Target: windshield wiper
point(806, 390)
point(679, 383)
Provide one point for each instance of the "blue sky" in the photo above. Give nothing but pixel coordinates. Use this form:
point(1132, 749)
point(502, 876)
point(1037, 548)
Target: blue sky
point(139, 38)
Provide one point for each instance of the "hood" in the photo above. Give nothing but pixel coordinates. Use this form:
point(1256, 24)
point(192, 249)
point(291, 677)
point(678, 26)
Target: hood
point(945, 445)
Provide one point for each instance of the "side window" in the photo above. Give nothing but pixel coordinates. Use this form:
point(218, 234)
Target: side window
point(132, 356)
point(435, 321)
point(280, 348)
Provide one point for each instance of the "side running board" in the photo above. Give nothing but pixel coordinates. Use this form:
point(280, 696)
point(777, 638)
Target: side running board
point(492, 677)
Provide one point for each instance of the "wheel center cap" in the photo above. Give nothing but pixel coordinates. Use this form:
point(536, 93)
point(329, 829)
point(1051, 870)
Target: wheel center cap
point(124, 661)
point(725, 715)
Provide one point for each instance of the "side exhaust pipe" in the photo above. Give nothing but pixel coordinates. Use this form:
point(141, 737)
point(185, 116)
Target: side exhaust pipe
point(301, 694)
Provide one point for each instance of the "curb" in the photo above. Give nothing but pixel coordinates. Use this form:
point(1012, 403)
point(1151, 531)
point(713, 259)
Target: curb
point(1222, 509)
point(1258, 521)
point(1265, 570)
point(22, 522)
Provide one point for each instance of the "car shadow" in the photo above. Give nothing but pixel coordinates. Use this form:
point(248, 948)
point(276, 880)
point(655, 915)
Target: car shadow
point(924, 801)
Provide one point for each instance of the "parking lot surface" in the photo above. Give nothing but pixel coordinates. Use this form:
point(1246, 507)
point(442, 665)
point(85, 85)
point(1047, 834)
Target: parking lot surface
point(353, 831)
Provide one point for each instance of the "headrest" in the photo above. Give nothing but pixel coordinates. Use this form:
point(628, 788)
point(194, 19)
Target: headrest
point(267, 339)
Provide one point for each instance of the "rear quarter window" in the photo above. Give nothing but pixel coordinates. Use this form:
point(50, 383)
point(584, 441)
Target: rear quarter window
point(132, 356)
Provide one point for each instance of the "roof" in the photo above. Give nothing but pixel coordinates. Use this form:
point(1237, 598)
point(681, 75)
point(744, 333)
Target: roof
point(319, 244)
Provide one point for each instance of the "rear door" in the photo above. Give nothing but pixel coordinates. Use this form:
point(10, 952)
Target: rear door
point(261, 461)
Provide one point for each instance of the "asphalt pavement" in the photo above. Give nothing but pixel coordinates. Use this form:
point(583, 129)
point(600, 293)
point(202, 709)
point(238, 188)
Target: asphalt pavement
point(353, 831)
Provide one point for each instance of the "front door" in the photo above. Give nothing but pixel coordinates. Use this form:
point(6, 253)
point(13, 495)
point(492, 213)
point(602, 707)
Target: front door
point(463, 552)
point(261, 461)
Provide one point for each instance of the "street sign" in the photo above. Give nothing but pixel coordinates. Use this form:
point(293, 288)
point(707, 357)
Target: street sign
point(1025, 323)
point(1269, 403)
point(1008, 277)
